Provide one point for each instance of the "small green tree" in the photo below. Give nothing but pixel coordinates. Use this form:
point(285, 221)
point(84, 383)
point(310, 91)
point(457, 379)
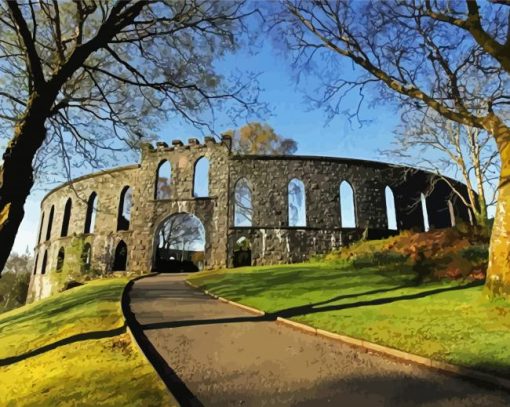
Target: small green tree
point(14, 284)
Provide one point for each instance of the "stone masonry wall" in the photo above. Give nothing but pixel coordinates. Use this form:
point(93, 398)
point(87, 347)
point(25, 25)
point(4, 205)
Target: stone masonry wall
point(272, 240)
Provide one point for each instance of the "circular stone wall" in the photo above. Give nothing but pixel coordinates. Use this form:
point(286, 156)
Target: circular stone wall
point(94, 214)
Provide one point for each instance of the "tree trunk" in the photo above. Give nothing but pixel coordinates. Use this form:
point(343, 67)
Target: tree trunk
point(16, 172)
point(498, 272)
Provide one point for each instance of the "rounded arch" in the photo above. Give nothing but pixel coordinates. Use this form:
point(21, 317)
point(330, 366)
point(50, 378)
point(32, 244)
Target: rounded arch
point(120, 257)
point(425, 212)
point(163, 180)
point(86, 257)
point(296, 202)
point(179, 243)
point(243, 207)
point(60, 259)
point(39, 236)
point(201, 178)
point(348, 218)
point(391, 212)
point(451, 211)
point(44, 262)
point(67, 217)
point(124, 212)
point(90, 216)
point(36, 263)
point(50, 223)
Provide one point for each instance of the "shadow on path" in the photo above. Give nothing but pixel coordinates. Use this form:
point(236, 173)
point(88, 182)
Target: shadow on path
point(312, 308)
point(172, 381)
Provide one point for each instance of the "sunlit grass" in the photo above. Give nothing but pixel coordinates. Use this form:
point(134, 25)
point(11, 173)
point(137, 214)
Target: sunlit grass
point(447, 321)
point(107, 371)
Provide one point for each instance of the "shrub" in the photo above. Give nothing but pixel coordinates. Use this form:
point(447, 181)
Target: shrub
point(477, 255)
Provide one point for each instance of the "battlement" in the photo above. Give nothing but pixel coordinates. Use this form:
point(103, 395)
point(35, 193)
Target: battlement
point(192, 143)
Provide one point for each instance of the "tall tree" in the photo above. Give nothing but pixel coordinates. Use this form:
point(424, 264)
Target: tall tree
point(434, 53)
point(86, 77)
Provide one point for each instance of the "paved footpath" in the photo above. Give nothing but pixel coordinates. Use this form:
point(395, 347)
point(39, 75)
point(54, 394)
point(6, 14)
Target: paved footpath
point(229, 357)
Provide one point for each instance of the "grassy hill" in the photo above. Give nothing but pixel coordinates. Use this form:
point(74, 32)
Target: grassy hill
point(73, 349)
point(378, 291)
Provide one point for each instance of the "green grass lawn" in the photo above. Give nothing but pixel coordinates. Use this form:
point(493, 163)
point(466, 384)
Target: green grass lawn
point(447, 321)
point(72, 349)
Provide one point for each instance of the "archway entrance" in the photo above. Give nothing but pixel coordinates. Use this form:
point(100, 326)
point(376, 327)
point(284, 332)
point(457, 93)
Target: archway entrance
point(180, 244)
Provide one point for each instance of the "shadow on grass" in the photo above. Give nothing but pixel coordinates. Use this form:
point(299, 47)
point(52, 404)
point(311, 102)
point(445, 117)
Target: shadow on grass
point(321, 306)
point(66, 341)
point(61, 305)
point(298, 279)
point(316, 307)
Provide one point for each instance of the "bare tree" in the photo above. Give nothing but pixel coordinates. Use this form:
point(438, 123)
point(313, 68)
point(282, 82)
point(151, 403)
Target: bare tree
point(434, 53)
point(429, 141)
point(84, 80)
point(181, 230)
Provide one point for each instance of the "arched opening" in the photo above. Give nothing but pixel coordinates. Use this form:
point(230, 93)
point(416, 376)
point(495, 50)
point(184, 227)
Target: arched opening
point(451, 210)
point(66, 219)
point(44, 262)
point(347, 206)
point(124, 214)
point(50, 222)
point(90, 217)
point(201, 178)
point(180, 244)
point(391, 212)
point(40, 229)
point(35, 264)
point(163, 180)
point(86, 257)
point(243, 209)
point(60, 259)
point(423, 199)
point(242, 252)
point(120, 259)
point(297, 203)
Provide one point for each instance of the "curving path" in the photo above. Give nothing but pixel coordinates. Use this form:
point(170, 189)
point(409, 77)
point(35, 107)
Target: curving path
point(228, 357)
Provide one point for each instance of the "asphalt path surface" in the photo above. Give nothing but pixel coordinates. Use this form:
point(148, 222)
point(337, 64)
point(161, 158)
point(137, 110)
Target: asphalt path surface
point(226, 356)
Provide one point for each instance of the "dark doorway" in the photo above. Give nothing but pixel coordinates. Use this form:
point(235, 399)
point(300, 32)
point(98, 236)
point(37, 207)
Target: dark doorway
point(120, 260)
point(180, 244)
point(242, 253)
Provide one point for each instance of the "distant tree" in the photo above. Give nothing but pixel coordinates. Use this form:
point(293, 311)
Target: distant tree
point(255, 139)
point(433, 53)
point(14, 284)
point(84, 80)
point(260, 138)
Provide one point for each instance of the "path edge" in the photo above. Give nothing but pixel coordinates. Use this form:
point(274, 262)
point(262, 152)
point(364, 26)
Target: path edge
point(178, 391)
point(444, 367)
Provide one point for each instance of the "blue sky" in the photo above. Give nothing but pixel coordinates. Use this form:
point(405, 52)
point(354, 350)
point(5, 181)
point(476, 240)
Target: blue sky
point(290, 116)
